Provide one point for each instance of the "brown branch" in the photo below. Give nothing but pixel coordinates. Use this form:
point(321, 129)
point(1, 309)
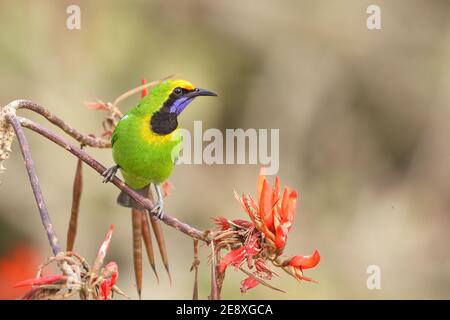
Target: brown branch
point(87, 140)
point(86, 158)
point(194, 267)
point(215, 290)
point(34, 181)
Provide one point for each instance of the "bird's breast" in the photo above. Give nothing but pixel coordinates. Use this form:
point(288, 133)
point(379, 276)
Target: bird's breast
point(153, 138)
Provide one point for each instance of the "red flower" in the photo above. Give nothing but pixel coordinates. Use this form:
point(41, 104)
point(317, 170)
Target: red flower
point(222, 223)
point(298, 263)
point(248, 283)
point(225, 224)
point(272, 214)
point(234, 258)
point(111, 273)
point(237, 256)
point(305, 262)
point(99, 281)
point(264, 238)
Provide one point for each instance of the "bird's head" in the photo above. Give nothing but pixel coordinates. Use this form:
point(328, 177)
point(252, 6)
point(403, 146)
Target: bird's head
point(179, 94)
point(173, 97)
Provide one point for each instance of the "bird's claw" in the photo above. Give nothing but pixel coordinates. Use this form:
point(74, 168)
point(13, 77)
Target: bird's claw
point(109, 174)
point(158, 210)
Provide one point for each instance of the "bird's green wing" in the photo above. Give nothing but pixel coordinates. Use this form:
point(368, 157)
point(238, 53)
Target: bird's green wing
point(116, 132)
point(114, 137)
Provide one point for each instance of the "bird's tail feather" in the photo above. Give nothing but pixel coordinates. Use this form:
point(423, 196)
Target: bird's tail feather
point(126, 201)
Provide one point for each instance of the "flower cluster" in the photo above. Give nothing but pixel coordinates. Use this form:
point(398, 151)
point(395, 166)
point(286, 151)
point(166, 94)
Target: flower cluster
point(262, 239)
point(77, 277)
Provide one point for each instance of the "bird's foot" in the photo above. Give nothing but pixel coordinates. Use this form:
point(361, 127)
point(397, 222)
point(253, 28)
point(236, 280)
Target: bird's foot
point(110, 173)
point(158, 210)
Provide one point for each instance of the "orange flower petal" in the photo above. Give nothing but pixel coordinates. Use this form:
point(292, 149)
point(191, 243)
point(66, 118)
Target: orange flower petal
point(265, 205)
point(291, 207)
point(281, 236)
point(276, 218)
point(260, 181)
point(284, 203)
point(305, 262)
point(276, 190)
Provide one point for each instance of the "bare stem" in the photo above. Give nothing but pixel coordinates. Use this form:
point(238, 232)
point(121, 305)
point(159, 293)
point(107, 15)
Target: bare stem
point(34, 181)
point(195, 268)
point(215, 291)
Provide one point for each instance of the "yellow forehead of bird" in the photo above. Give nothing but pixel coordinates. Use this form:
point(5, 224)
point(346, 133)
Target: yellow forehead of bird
point(181, 83)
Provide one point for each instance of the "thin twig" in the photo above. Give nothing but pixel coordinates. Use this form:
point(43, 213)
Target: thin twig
point(215, 293)
point(34, 181)
point(194, 267)
point(87, 140)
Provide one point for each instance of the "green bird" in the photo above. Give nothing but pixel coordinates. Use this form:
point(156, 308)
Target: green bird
point(147, 142)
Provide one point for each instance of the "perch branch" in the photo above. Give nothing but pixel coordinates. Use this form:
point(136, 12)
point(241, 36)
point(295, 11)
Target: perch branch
point(86, 158)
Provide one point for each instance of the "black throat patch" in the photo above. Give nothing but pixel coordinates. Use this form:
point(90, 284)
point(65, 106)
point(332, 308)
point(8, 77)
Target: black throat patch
point(163, 123)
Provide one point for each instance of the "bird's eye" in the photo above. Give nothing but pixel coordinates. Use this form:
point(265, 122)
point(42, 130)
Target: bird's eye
point(177, 91)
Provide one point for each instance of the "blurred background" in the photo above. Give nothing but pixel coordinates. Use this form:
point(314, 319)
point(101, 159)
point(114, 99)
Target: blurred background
point(363, 118)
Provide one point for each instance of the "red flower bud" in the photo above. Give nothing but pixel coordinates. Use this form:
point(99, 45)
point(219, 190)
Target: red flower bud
point(248, 283)
point(41, 281)
point(144, 91)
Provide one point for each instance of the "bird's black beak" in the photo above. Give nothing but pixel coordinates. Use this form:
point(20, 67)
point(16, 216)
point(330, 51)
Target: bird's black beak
point(201, 92)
